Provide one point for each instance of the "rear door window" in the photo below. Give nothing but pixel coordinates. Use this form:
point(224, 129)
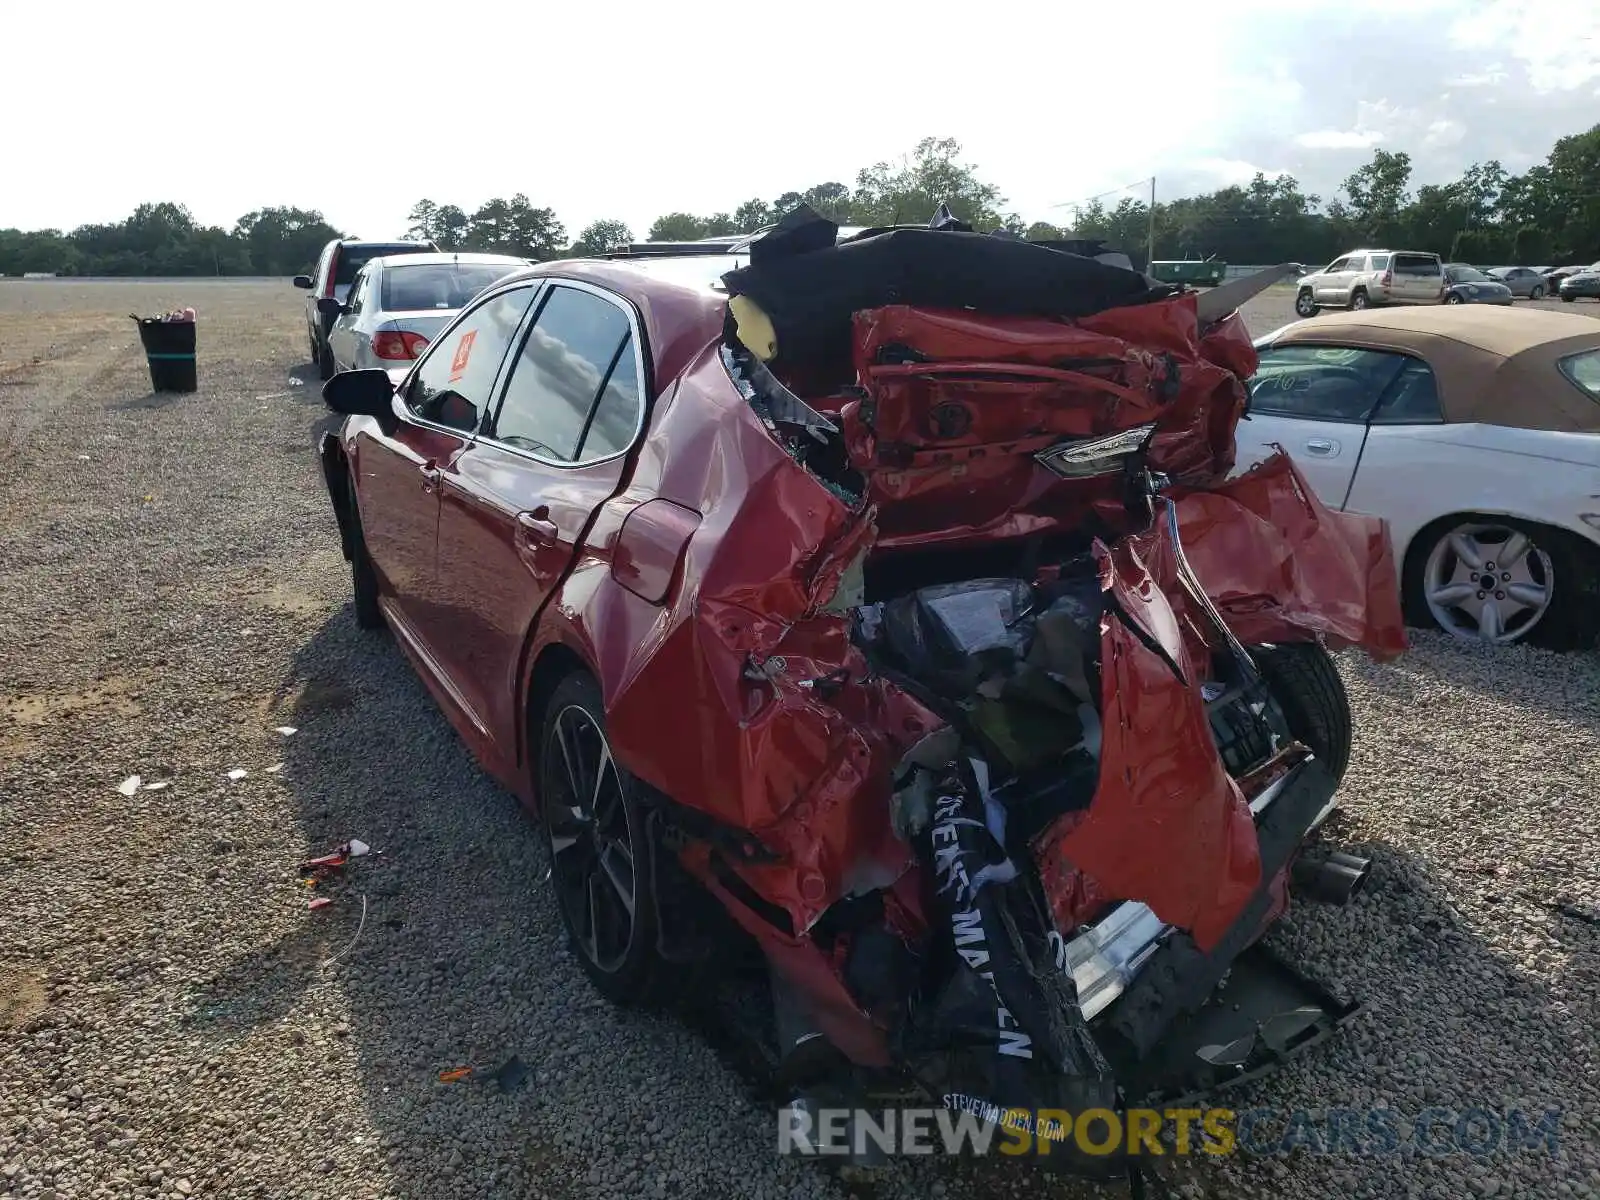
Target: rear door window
point(1380, 262)
point(358, 291)
point(454, 381)
point(1322, 383)
point(574, 394)
point(1413, 398)
point(1584, 371)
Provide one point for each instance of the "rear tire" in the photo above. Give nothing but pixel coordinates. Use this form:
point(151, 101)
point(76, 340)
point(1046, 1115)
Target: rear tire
point(603, 874)
point(1358, 299)
point(325, 366)
point(1453, 298)
point(363, 575)
point(1305, 303)
point(1537, 293)
point(1306, 682)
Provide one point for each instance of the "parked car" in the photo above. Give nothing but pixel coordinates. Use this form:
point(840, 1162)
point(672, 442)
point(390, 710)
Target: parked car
point(336, 269)
point(759, 630)
point(1553, 278)
point(1370, 278)
point(1474, 434)
point(397, 304)
point(1525, 282)
point(1464, 284)
point(1585, 284)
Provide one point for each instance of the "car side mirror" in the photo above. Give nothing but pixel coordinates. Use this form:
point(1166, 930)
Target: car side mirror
point(303, 281)
point(368, 393)
point(329, 307)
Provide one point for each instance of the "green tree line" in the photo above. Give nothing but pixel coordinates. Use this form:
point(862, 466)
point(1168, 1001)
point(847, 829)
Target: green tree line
point(1548, 214)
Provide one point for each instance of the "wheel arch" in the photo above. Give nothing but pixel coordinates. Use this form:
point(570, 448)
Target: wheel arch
point(552, 659)
point(336, 474)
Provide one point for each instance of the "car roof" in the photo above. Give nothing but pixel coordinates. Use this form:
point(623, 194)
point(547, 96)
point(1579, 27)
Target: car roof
point(446, 257)
point(1491, 364)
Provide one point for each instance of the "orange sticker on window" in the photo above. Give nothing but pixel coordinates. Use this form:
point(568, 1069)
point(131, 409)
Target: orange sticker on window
point(458, 364)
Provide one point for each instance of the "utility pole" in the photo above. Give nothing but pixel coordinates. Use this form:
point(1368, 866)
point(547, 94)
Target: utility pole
point(1150, 249)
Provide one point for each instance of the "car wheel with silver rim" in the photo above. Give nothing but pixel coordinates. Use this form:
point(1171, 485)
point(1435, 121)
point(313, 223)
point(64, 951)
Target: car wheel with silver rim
point(1358, 300)
point(1305, 304)
point(1500, 580)
point(1453, 298)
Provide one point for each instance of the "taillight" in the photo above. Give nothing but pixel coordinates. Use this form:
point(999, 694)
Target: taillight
point(400, 344)
point(1388, 278)
point(333, 273)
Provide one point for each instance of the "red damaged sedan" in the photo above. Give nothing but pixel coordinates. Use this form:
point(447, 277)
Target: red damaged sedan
point(881, 602)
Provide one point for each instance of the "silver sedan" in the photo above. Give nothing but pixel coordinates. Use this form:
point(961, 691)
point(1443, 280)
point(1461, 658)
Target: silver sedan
point(397, 304)
point(1523, 281)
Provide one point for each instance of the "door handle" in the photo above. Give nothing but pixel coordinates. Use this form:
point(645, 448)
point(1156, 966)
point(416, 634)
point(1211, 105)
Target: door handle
point(1321, 446)
point(535, 528)
point(430, 476)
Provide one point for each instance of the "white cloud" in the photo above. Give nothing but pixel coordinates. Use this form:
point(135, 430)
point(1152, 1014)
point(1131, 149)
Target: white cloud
point(1443, 132)
point(1230, 171)
point(1338, 139)
point(1558, 41)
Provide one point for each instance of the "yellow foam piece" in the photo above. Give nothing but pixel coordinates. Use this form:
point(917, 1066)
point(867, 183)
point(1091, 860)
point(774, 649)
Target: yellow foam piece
point(754, 328)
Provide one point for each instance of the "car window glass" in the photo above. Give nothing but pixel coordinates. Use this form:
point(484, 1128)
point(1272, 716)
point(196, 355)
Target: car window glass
point(561, 369)
point(1380, 262)
point(438, 285)
point(1338, 264)
point(453, 382)
point(1584, 370)
point(1413, 399)
point(616, 417)
point(1416, 264)
point(1323, 383)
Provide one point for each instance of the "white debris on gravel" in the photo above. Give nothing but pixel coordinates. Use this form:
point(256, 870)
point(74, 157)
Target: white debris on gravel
point(166, 1026)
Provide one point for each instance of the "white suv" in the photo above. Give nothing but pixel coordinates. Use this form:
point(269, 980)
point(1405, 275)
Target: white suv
point(1364, 278)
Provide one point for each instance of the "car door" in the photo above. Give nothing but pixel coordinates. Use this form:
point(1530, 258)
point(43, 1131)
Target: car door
point(342, 337)
point(1314, 401)
point(438, 410)
point(1330, 283)
point(1404, 468)
point(518, 504)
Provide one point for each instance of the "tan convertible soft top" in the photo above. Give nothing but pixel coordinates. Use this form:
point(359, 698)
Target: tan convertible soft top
point(1493, 364)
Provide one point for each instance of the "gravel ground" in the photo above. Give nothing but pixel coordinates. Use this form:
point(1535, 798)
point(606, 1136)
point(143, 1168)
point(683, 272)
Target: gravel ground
point(169, 1023)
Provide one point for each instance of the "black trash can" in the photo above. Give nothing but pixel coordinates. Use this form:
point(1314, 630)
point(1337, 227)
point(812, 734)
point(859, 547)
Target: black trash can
point(169, 347)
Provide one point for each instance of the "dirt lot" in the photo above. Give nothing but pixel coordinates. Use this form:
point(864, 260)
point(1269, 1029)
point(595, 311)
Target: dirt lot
point(172, 593)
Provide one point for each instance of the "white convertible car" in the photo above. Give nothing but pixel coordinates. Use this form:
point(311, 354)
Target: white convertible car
point(1475, 432)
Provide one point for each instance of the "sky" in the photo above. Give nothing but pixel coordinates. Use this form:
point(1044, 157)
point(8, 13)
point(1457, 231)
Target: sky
point(627, 110)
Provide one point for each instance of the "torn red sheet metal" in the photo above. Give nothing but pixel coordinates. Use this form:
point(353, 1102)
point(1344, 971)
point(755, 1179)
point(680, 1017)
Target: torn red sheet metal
point(1282, 566)
point(1167, 826)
